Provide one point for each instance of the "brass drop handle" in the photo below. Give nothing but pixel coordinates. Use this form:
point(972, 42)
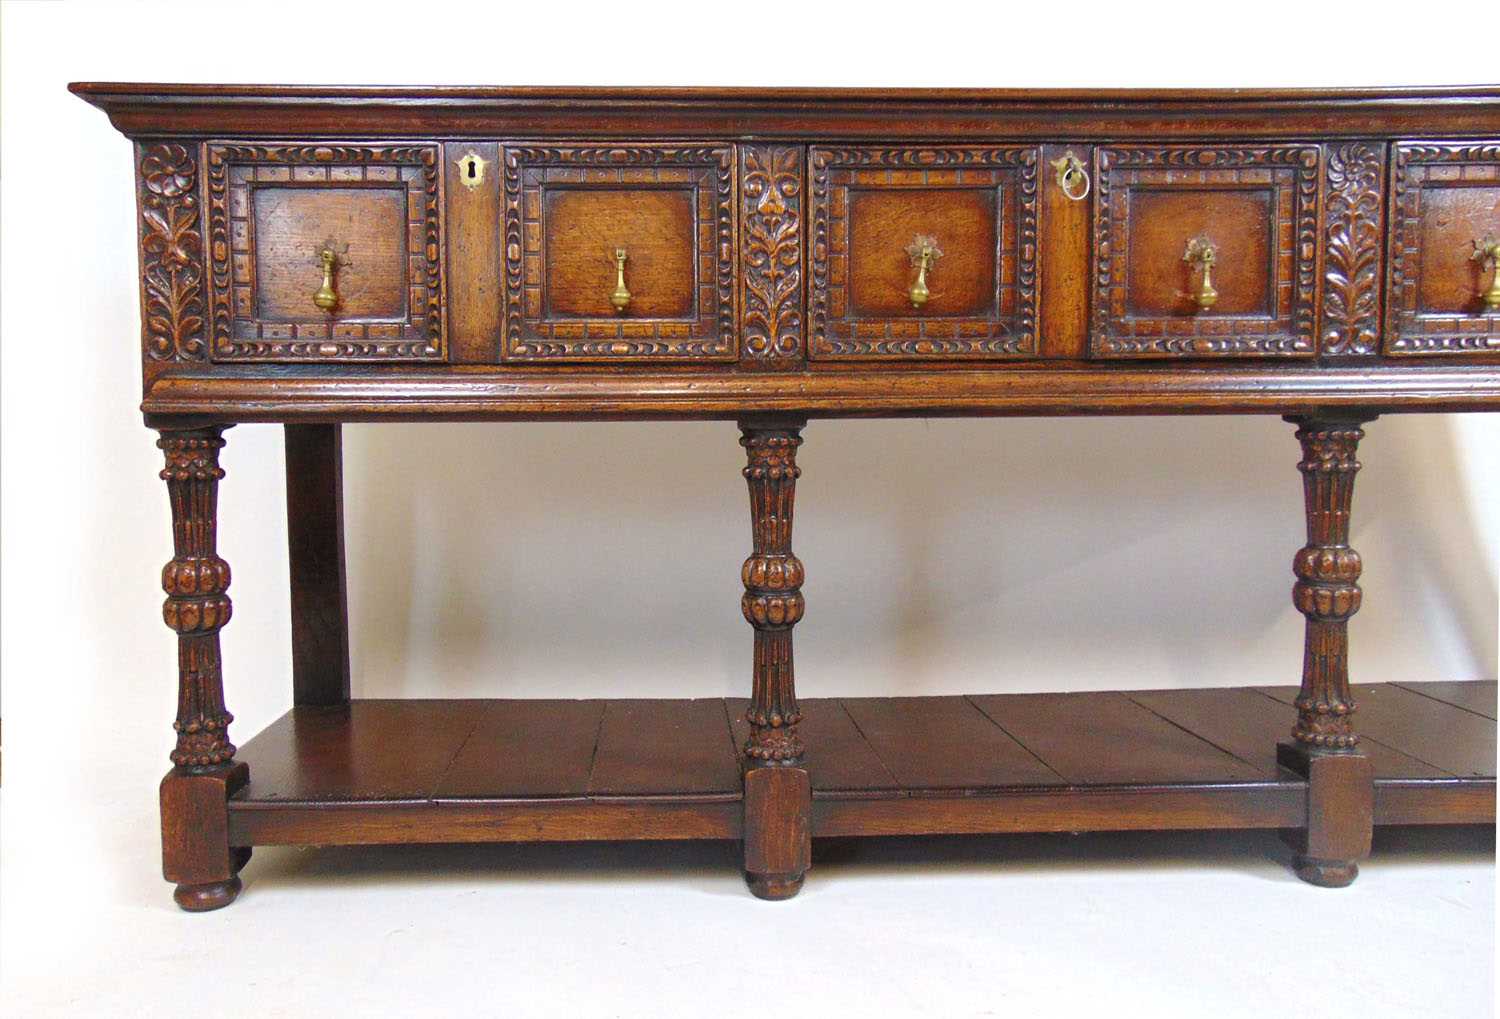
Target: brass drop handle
point(1071, 176)
point(1487, 254)
point(620, 296)
point(1201, 251)
point(327, 298)
point(923, 251)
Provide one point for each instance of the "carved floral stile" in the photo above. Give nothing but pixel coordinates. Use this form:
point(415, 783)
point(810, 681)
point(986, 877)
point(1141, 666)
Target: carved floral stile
point(171, 254)
point(771, 186)
point(1351, 276)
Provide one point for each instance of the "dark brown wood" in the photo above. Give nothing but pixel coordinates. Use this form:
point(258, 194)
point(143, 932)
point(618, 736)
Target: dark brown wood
point(1325, 591)
point(1444, 736)
point(387, 822)
point(521, 749)
point(1479, 698)
point(796, 113)
point(870, 206)
point(778, 836)
point(196, 852)
point(1063, 256)
point(1340, 814)
point(1445, 198)
point(839, 759)
point(778, 830)
point(570, 208)
point(948, 744)
point(473, 234)
point(1257, 205)
point(273, 209)
point(654, 396)
point(1248, 724)
point(1079, 736)
point(664, 748)
point(315, 536)
point(388, 772)
point(1340, 794)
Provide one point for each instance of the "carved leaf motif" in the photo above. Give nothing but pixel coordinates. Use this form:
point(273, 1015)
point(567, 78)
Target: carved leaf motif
point(171, 254)
point(772, 251)
point(1351, 308)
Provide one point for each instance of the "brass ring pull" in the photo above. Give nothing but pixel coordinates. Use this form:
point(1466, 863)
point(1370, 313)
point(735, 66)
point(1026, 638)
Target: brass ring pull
point(620, 296)
point(1201, 250)
point(923, 251)
point(1487, 254)
point(1072, 177)
point(327, 298)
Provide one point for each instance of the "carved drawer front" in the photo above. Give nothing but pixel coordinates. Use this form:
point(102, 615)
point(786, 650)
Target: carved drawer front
point(619, 252)
point(924, 252)
point(324, 252)
point(1205, 252)
point(1442, 294)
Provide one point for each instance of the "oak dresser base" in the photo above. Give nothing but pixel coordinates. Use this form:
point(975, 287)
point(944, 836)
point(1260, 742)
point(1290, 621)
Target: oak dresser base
point(312, 256)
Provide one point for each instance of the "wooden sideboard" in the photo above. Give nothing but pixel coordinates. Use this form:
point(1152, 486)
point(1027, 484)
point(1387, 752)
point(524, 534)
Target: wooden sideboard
point(310, 256)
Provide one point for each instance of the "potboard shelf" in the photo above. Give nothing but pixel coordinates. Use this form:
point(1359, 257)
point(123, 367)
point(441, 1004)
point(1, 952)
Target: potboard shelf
point(390, 771)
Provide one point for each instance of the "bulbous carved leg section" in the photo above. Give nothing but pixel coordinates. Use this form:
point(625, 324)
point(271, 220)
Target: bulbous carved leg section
point(197, 607)
point(1326, 591)
point(1324, 745)
point(773, 591)
point(196, 854)
point(778, 790)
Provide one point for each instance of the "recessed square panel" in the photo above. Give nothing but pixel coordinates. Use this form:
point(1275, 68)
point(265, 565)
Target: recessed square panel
point(292, 225)
point(882, 224)
point(584, 229)
point(1240, 223)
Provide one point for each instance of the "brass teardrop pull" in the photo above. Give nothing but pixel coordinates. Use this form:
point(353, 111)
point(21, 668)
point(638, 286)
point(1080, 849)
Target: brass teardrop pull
point(1201, 250)
point(620, 296)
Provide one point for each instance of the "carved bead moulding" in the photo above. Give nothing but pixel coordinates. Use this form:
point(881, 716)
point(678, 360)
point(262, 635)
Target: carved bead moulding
point(173, 300)
point(1417, 170)
point(1287, 328)
point(771, 232)
point(531, 169)
point(235, 170)
point(1009, 173)
point(1354, 183)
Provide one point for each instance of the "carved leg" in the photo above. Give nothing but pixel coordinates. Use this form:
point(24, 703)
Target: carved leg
point(196, 854)
point(1340, 783)
point(778, 796)
point(315, 533)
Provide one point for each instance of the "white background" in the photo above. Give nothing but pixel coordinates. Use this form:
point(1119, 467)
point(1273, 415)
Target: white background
point(603, 559)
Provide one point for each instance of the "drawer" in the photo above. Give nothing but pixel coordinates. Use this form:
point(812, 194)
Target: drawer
point(1204, 252)
point(923, 253)
point(322, 252)
point(619, 252)
point(1442, 294)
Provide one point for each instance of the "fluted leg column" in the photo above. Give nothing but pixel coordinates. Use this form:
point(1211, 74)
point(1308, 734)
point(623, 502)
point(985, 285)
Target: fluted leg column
point(196, 854)
point(1324, 746)
point(778, 796)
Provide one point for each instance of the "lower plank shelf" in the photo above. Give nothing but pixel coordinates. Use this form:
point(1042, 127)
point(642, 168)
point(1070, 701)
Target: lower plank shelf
point(401, 771)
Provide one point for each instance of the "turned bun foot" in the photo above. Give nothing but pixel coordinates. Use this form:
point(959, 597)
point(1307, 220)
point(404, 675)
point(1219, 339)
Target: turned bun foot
point(1325, 873)
point(202, 898)
point(774, 886)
